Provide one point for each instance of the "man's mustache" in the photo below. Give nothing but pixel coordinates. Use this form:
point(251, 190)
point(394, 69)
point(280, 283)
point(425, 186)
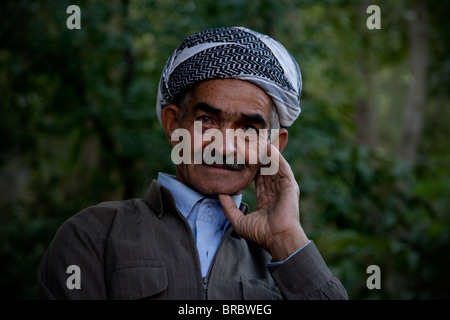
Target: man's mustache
point(228, 162)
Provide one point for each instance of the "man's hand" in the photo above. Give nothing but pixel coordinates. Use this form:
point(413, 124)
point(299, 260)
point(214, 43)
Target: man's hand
point(275, 225)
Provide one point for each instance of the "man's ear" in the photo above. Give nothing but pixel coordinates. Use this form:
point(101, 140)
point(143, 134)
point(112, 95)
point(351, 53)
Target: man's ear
point(171, 120)
point(282, 139)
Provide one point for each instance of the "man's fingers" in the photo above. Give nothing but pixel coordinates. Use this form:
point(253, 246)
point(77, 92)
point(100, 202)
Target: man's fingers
point(284, 169)
point(230, 209)
point(259, 185)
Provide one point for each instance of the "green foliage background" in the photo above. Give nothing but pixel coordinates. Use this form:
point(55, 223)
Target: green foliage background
point(78, 126)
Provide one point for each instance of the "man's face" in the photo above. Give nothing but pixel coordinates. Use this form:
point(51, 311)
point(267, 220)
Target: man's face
point(224, 104)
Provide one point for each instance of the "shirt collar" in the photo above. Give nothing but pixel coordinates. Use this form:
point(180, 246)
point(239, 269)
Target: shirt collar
point(185, 197)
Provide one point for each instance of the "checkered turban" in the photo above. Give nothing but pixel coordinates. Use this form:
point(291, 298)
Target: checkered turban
point(234, 53)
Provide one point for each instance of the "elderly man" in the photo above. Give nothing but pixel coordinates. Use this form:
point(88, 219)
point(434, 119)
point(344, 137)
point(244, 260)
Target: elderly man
point(191, 236)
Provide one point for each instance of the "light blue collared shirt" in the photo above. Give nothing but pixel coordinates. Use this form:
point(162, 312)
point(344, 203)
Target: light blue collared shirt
point(205, 216)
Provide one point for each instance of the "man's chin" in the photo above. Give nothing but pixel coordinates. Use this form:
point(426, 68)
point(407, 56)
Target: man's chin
point(213, 190)
point(219, 185)
point(213, 180)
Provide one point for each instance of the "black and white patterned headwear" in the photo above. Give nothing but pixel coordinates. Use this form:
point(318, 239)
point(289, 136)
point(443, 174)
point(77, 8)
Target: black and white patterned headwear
point(234, 53)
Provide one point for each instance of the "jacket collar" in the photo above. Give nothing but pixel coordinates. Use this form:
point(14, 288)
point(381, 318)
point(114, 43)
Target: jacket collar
point(159, 199)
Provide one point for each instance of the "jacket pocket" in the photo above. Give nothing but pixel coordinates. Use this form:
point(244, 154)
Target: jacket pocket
point(138, 279)
point(256, 289)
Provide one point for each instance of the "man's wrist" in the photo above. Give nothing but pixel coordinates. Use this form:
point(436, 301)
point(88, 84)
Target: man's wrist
point(277, 263)
point(282, 248)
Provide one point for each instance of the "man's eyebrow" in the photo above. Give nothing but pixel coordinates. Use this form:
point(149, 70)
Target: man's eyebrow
point(255, 118)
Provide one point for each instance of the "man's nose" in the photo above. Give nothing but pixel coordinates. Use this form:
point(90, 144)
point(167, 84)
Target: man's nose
point(229, 145)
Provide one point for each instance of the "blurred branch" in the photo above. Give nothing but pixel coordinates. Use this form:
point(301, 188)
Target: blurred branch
point(416, 100)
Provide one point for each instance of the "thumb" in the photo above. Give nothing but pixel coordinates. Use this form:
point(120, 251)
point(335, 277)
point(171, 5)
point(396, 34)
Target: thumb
point(230, 209)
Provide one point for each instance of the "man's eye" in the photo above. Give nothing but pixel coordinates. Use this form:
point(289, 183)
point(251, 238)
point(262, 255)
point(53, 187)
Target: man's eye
point(203, 118)
point(246, 128)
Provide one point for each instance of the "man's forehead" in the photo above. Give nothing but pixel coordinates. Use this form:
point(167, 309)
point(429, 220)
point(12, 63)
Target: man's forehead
point(232, 91)
point(231, 96)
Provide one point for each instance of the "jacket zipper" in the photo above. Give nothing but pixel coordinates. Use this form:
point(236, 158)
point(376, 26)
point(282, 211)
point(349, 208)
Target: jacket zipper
point(205, 280)
point(205, 285)
point(193, 245)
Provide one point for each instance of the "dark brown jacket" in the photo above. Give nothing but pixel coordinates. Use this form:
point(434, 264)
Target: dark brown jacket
point(144, 249)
